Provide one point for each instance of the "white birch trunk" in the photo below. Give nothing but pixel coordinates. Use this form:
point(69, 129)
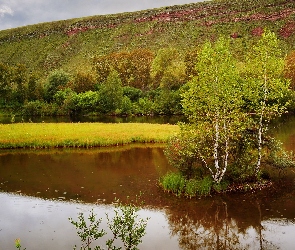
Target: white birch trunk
point(259, 144)
point(215, 150)
point(260, 129)
point(226, 149)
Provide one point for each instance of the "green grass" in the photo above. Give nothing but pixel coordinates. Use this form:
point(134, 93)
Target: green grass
point(173, 182)
point(50, 135)
point(178, 185)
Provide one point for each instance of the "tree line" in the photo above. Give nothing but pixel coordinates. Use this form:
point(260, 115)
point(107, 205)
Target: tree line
point(134, 82)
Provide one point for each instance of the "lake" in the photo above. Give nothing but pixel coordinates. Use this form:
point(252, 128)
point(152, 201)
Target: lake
point(41, 189)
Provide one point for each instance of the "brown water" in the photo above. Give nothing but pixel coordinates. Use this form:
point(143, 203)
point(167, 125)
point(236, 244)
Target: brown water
point(39, 190)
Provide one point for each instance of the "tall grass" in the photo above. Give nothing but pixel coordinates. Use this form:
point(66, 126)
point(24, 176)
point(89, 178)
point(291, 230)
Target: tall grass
point(177, 184)
point(173, 182)
point(49, 135)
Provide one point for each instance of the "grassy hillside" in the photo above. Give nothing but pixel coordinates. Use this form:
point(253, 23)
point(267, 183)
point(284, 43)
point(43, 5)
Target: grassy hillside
point(71, 44)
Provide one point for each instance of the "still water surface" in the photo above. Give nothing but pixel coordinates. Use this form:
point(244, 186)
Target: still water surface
point(39, 190)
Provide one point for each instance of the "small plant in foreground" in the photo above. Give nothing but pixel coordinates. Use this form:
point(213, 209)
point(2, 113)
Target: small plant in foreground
point(125, 226)
point(90, 233)
point(18, 245)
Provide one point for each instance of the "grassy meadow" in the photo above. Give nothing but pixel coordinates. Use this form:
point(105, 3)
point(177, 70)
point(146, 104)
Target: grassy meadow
point(51, 135)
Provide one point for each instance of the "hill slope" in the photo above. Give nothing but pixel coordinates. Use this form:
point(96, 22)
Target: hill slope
point(70, 44)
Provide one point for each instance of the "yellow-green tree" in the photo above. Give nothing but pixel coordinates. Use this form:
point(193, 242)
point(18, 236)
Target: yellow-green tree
point(168, 69)
point(213, 104)
point(265, 88)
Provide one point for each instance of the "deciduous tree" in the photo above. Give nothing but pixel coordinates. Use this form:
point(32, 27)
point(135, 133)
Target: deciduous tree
point(212, 103)
point(265, 87)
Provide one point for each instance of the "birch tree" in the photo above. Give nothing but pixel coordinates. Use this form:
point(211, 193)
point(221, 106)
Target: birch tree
point(265, 87)
point(212, 103)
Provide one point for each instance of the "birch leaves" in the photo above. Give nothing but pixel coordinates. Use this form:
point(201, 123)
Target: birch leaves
point(214, 98)
point(221, 97)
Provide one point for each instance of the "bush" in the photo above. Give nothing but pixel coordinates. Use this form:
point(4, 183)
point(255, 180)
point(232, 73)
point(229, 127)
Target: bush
point(126, 106)
point(168, 103)
point(38, 108)
point(111, 94)
point(222, 186)
point(144, 106)
point(55, 81)
point(133, 93)
point(33, 108)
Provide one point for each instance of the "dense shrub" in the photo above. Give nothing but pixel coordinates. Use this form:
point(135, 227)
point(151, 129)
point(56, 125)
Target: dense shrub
point(82, 82)
point(110, 94)
point(55, 81)
point(38, 108)
point(132, 93)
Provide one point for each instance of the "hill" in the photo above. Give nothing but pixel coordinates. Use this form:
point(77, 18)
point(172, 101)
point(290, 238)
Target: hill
point(71, 44)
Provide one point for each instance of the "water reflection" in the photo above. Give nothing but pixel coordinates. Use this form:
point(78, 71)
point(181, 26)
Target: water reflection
point(87, 175)
point(43, 224)
point(64, 179)
point(257, 221)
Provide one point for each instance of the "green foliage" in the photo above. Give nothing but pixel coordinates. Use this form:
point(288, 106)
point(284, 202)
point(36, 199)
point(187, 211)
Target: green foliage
point(168, 69)
point(55, 81)
point(265, 89)
point(201, 187)
point(91, 48)
point(220, 187)
point(125, 226)
point(19, 83)
point(167, 102)
point(173, 182)
point(38, 108)
point(33, 108)
point(85, 102)
point(5, 79)
point(132, 93)
point(279, 158)
point(71, 43)
point(111, 93)
point(213, 102)
point(181, 152)
point(229, 109)
point(33, 90)
point(18, 244)
point(126, 106)
point(177, 184)
point(144, 106)
point(61, 95)
point(88, 233)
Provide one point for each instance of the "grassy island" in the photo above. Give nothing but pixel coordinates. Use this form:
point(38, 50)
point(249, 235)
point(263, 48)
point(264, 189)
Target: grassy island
point(49, 135)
